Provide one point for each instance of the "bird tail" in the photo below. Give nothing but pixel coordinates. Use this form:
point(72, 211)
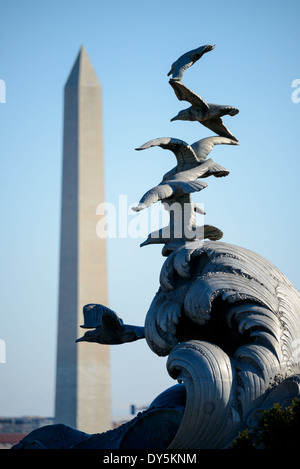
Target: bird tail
point(187, 187)
point(209, 168)
point(218, 171)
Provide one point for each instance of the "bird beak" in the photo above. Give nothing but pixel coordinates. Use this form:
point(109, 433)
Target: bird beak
point(145, 243)
point(138, 208)
point(174, 118)
point(81, 339)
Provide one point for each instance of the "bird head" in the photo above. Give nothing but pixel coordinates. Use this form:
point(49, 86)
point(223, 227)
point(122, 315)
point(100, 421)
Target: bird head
point(184, 115)
point(90, 336)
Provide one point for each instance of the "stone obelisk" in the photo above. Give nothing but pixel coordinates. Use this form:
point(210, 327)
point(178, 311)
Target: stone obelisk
point(83, 399)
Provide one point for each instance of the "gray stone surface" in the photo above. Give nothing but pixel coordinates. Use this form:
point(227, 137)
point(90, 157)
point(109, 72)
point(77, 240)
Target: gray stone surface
point(229, 322)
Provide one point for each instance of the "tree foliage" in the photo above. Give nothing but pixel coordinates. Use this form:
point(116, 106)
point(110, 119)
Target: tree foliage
point(278, 429)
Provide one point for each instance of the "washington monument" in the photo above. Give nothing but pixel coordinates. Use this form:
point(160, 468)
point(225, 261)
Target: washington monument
point(83, 398)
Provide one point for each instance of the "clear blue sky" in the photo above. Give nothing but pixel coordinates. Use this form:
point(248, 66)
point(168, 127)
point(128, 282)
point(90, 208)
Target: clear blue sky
point(132, 45)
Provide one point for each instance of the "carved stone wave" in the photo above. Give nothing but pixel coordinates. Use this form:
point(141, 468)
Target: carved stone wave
point(230, 322)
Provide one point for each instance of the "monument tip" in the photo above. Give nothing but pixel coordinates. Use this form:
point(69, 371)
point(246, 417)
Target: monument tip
point(82, 72)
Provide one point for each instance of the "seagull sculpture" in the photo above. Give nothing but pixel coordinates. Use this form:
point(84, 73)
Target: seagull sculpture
point(187, 60)
point(189, 233)
point(191, 165)
point(209, 115)
point(176, 187)
point(189, 156)
point(107, 327)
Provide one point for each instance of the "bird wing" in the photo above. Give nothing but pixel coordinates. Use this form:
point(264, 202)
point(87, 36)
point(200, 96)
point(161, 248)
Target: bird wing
point(173, 188)
point(186, 60)
point(96, 315)
point(203, 147)
point(185, 94)
point(212, 233)
point(139, 331)
point(181, 187)
point(160, 192)
point(217, 126)
point(184, 153)
point(110, 320)
point(92, 315)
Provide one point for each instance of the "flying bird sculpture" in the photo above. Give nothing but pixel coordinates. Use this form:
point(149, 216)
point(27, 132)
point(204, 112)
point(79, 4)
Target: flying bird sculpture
point(107, 327)
point(176, 187)
point(186, 60)
point(209, 115)
point(189, 156)
point(191, 165)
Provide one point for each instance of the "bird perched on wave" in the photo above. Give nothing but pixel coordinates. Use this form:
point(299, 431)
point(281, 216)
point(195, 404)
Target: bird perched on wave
point(209, 115)
point(191, 165)
point(190, 234)
point(108, 327)
point(187, 60)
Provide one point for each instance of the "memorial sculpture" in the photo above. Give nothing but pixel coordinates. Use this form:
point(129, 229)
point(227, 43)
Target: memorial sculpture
point(226, 318)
